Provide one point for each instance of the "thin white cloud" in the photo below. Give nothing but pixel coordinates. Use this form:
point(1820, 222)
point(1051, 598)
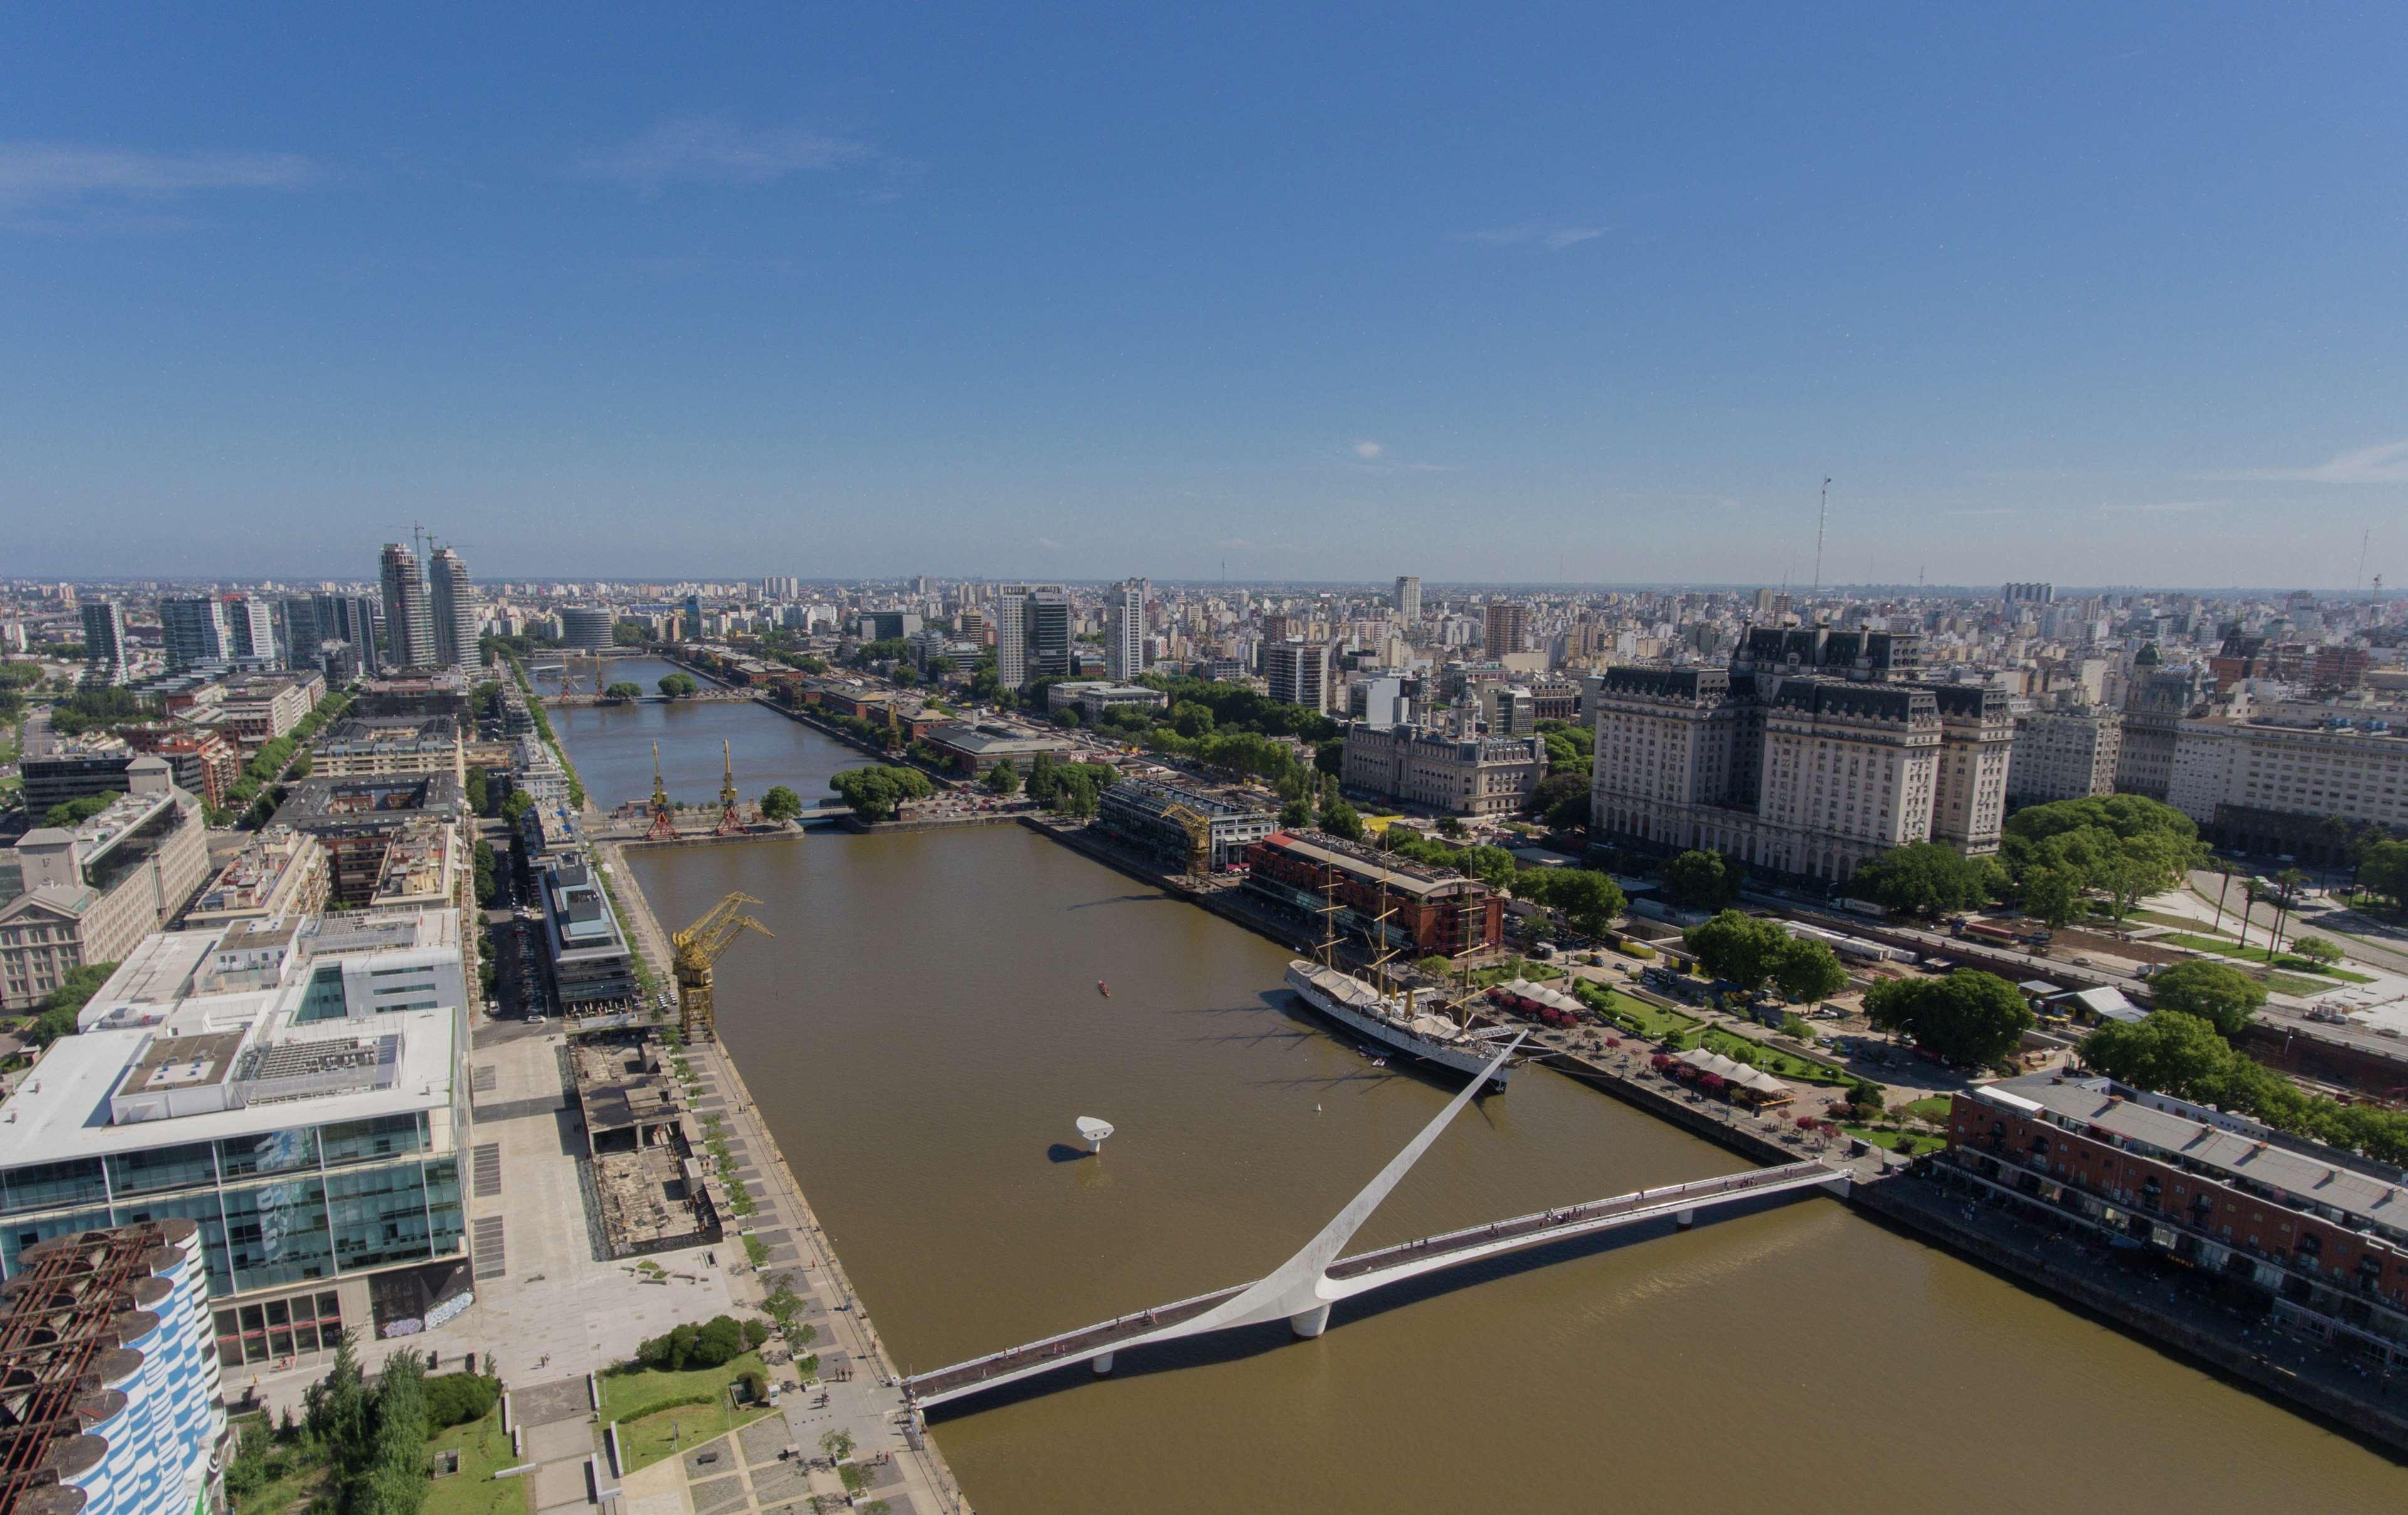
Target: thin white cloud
point(715, 149)
point(63, 183)
point(2387, 462)
point(1550, 235)
point(1368, 450)
point(1994, 510)
point(2160, 507)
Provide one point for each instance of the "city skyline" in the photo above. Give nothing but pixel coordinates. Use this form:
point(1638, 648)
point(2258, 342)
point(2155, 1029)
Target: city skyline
point(976, 296)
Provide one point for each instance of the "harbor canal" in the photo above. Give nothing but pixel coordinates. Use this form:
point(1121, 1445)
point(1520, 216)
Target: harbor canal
point(927, 1026)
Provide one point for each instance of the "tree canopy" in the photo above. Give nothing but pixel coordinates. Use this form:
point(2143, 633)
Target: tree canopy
point(69, 814)
point(1004, 779)
point(779, 803)
point(1752, 952)
point(1968, 1017)
point(2222, 995)
point(1927, 878)
point(876, 792)
point(2124, 846)
point(2382, 869)
point(678, 686)
point(1702, 880)
point(59, 1007)
point(622, 691)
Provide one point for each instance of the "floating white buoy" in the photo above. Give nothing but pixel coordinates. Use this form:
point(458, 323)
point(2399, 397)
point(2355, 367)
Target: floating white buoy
point(1093, 1131)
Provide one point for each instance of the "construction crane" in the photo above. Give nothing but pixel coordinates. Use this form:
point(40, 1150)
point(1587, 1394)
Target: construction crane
point(731, 824)
point(663, 827)
point(694, 950)
point(1200, 836)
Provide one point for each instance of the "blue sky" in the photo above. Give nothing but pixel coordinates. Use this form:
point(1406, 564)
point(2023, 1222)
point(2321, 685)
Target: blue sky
point(2085, 292)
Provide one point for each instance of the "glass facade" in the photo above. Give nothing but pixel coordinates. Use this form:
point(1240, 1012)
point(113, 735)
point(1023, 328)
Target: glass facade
point(269, 1329)
point(277, 1208)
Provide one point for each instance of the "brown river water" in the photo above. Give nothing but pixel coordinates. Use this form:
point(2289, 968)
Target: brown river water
point(925, 1028)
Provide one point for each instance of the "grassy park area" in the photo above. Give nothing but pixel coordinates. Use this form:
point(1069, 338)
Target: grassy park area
point(484, 1449)
point(1771, 1059)
point(1634, 1014)
point(661, 1413)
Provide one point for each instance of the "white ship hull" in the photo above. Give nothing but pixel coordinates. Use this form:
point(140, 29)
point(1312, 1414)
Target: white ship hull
point(1355, 1005)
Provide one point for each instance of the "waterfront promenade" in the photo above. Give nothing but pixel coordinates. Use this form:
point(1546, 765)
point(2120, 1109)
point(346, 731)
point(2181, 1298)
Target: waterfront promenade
point(869, 1404)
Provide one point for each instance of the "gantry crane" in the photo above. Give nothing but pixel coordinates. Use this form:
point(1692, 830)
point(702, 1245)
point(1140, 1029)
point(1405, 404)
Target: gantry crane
point(1200, 836)
point(664, 828)
point(694, 950)
point(730, 822)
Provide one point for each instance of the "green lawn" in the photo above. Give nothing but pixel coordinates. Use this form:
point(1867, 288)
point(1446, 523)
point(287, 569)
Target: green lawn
point(1897, 1141)
point(667, 1433)
point(484, 1449)
point(2254, 952)
point(1934, 1108)
point(1634, 1014)
point(627, 1396)
point(2162, 918)
point(1519, 967)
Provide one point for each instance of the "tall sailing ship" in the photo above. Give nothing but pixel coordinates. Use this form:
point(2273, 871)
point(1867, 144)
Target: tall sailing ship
point(1416, 1022)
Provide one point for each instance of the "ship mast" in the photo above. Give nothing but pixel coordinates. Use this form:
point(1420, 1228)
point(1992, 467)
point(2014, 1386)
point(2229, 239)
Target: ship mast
point(1380, 942)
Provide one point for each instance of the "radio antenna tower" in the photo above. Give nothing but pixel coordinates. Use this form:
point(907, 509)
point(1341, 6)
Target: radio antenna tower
point(1820, 522)
point(2365, 537)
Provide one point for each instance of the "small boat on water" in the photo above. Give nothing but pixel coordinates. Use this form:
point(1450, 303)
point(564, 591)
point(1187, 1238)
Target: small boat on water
point(1104, 989)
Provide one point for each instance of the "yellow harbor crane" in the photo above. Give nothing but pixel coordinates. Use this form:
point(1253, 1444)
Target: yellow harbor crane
point(1200, 836)
point(731, 820)
point(694, 950)
point(663, 827)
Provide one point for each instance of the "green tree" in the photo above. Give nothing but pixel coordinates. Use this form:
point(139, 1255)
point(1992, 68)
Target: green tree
point(1066, 717)
point(515, 805)
point(2382, 869)
point(479, 790)
point(2051, 896)
point(1968, 1017)
point(57, 1017)
point(1743, 949)
point(1589, 899)
point(1702, 880)
point(1924, 879)
point(1561, 800)
point(622, 690)
point(1437, 965)
point(779, 803)
point(1808, 972)
point(2316, 950)
point(678, 686)
point(69, 814)
point(1295, 815)
point(1342, 820)
point(2166, 1051)
point(2223, 996)
point(1003, 779)
point(876, 792)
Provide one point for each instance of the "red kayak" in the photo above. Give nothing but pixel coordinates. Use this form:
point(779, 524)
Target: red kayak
point(1103, 989)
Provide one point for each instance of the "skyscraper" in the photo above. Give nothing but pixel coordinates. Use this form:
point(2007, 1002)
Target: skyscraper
point(408, 614)
point(346, 618)
point(1012, 636)
point(296, 630)
point(1124, 630)
point(1297, 673)
point(1509, 627)
point(1032, 634)
point(1409, 598)
point(452, 605)
point(194, 629)
point(103, 639)
point(251, 630)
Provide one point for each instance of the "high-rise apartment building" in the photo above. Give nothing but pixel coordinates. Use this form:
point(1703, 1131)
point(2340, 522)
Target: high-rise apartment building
point(1810, 754)
point(1297, 673)
point(194, 629)
point(409, 613)
point(1409, 599)
point(251, 630)
point(1032, 634)
point(1124, 630)
point(1508, 628)
point(103, 639)
point(352, 619)
point(2028, 593)
point(452, 608)
point(296, 630)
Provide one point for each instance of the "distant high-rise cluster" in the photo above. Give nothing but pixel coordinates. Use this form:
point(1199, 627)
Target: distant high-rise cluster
point(2028, 593)
point(432, 614)
point(1409, 598)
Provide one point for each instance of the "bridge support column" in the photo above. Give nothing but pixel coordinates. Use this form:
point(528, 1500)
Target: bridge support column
point(1312, 1323)
point(1685, 1219)
point(1104, 1364)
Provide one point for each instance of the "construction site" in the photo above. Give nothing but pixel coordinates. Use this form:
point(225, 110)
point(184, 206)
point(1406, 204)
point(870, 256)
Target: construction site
point(647, 1156)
